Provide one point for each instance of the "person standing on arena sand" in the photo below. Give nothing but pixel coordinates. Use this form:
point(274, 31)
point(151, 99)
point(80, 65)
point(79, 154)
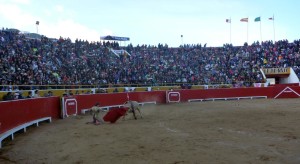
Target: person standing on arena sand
point(96, 111)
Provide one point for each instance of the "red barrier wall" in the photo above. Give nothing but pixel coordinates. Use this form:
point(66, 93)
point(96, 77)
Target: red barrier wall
point(221, 93)
point(270, 92)
point(15, 113)
point(286, 92)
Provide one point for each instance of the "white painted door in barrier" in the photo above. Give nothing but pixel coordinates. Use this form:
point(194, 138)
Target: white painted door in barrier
point(69, 107)
point(173, 97)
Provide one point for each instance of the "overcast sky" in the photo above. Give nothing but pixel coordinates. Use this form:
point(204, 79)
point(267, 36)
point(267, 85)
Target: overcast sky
point(156, 21)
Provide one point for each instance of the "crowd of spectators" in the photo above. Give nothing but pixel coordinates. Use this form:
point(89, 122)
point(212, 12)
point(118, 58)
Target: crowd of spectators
point(46, 61)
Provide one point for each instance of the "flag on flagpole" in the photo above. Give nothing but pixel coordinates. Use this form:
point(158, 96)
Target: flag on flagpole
point(228, 20)
point(257, 19)
point(271, 18)
point(244, 20)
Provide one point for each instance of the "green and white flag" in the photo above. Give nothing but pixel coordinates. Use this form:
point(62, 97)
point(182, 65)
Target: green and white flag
point(257, 19)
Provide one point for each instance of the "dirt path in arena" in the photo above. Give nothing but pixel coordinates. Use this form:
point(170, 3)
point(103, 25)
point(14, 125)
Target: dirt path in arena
point(246, 131)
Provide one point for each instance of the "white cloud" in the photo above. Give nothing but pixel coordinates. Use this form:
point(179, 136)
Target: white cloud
point(105, 32)
point(69, 28)
point(16, 16)
point(21, 1)
point(59, 8)
point(47, 12)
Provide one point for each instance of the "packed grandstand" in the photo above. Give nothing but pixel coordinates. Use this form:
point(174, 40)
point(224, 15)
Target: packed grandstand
point(46, 61)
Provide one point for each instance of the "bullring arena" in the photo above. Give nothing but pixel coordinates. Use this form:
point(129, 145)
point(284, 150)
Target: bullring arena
point(149, 82)
point(235, 131)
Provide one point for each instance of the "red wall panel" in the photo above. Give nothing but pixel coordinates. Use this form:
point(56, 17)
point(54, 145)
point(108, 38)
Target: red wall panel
point(227, 92)
point(14, 113)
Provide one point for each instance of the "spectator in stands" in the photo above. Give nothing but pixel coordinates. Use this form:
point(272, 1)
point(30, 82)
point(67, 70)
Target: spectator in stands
point(48, 94)
point(29, 94)
point(19, 95)
point(9, 96)
point(43, 61)
point(77, 92)
point(115, 90)
point(36, 94)
point(65, 94)
point(70, 93)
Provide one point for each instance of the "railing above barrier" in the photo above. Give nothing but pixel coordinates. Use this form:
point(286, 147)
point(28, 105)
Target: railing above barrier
point(228, 98)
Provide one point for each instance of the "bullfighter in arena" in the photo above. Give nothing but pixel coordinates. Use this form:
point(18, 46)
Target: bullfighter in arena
point(97, 113)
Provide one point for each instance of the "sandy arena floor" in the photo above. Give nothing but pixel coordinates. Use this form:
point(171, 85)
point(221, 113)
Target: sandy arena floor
point(245, 131)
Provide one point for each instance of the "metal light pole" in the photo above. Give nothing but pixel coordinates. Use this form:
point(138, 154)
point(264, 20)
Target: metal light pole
point(37, 26)
point(181, 40)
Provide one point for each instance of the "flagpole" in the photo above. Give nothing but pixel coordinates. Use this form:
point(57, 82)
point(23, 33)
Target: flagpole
point(274, 28)
point(247, 30)
point(182, 40)
point(37, 28)
point(260, 30)
point(230, 30)
point(37, 23)
point(246, 20)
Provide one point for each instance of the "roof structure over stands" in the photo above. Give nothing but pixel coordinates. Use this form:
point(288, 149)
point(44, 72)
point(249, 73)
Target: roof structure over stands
point(117, 38)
